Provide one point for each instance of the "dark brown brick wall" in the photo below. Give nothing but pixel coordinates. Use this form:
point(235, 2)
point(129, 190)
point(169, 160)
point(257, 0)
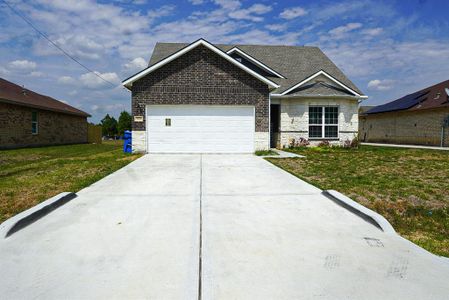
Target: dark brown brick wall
point(201, 77)
point(54, 128)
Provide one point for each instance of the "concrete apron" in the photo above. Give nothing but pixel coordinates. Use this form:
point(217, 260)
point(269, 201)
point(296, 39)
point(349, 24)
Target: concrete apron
point(211, 227)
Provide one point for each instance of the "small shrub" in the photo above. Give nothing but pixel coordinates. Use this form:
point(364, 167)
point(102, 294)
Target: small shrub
point(324, 144)
point(347, 144)
point(355, 142)
point(302, 142)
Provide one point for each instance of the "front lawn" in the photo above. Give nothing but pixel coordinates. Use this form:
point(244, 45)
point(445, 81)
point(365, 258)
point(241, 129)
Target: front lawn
point(29, 176)
point(409, 187)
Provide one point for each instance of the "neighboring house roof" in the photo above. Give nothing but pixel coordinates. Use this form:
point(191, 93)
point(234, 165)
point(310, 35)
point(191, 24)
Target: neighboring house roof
point(128, 82)
point(15, 94)
point(295, 63)
point(434, 96)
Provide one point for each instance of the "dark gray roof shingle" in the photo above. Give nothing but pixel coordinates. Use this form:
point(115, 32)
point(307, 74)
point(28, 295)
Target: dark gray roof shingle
point(294, 62)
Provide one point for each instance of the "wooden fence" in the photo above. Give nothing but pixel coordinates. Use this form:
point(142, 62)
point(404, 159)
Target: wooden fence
point(93, 134)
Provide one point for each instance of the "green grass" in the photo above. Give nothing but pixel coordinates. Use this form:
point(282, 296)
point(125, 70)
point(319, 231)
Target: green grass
point(265, 152)
point(410, 187)
point(29, 176)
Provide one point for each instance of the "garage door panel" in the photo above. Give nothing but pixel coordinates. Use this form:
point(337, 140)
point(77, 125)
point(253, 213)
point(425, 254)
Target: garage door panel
point(201, 129)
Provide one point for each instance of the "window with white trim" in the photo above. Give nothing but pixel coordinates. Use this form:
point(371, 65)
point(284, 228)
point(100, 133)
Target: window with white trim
point(34, 123)
point(323, 122)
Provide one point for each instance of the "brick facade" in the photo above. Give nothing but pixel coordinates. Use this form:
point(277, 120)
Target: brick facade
point(421, 127)
point(53, 128)
point(201, 77)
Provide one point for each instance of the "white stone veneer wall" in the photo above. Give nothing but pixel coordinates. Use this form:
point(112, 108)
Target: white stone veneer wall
point(261, 141)
point(138, 141)
point(295, 119)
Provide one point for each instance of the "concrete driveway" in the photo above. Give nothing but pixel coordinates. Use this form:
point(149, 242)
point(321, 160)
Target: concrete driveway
point(211, 227)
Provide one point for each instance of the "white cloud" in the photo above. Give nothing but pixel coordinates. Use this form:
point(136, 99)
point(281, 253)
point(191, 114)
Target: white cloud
point(92, 81)
point(196, 2)
point(4, 71)
point(373, 31)
point(22, 65)
point(293, 12)
point(108, 108)
point(36, 74)
point(381, 85)
point(67, 80)
point(276, 27)
point(340, 31)
point(252, 13)
point(136, 64)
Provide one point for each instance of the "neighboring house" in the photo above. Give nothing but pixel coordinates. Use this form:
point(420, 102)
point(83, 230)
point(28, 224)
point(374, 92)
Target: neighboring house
point(421, 118)
point(31, 119)
point(363, 109)
point(201, 97)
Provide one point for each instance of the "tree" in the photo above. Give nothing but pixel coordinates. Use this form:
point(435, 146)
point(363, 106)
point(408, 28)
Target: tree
point(109, 126)
point(124, 122)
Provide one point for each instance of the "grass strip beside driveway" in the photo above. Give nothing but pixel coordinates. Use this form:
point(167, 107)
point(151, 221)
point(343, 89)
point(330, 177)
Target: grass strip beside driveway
point(409, 187)
point(32, 175)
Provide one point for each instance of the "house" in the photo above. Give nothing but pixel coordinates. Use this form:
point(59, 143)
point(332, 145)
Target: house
point(420, 118)
point(201, 97)
point(31, 119)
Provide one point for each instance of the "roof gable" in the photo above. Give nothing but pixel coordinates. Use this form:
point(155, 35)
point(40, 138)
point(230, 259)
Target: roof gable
point(128, 82)
point(320, 73)
point(295, 63)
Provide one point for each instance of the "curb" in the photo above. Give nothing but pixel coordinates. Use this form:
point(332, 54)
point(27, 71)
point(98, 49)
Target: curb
point(365, 213)
point(33, 214)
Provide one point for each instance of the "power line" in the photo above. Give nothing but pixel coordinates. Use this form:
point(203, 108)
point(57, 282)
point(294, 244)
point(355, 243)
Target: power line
point(54, 44)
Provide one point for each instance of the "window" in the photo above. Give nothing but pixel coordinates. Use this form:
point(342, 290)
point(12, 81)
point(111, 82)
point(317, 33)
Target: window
point(168, 122)
point(323, 122)
point(34, 123)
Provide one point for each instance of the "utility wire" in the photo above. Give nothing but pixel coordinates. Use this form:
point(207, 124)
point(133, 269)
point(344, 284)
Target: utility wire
point(54, 44)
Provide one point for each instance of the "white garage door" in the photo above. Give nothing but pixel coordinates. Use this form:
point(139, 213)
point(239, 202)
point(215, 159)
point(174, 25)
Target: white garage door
point(200, 129)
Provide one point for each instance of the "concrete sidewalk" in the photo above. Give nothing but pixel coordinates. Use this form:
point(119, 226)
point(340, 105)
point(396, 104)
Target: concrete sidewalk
point(406, 146)
point(261, 232)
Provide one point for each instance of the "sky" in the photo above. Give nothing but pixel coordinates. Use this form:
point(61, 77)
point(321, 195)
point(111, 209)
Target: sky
point(387, 48)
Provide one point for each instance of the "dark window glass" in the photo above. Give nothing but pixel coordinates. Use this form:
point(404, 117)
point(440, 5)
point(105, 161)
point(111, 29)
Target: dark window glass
point(331, 131)
point(315, 115)
point(315, 131)
point(331, 115)
point(34, 122)
point(167, 122)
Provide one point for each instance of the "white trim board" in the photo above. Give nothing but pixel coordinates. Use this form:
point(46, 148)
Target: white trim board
point(128, 82)
point(255, 61)
point(321, 72)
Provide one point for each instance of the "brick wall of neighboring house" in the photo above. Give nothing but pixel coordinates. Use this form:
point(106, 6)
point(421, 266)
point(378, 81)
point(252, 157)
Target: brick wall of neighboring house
point(53, 128)
point(294, 123)
point(407, 127)
point(201, 77)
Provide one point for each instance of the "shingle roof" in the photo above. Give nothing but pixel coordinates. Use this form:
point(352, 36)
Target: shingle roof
point(296, 63)
point(431, 97)
point(13, 93)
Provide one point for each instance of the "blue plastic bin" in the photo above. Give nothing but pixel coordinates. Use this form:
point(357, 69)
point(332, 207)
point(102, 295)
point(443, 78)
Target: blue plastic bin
point(127, 143)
